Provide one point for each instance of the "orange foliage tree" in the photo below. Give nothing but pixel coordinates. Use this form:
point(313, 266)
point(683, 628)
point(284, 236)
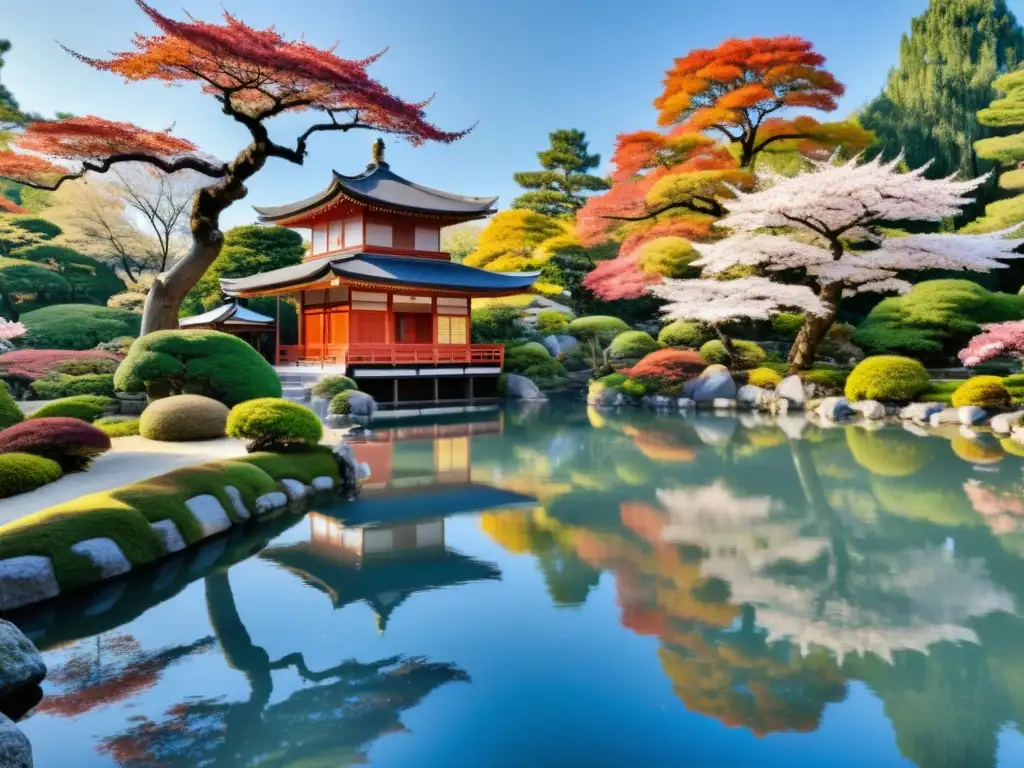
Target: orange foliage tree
point(255, 75)
point(720, 109)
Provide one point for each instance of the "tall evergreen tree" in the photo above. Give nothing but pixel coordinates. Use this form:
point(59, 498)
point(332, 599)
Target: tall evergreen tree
point(948, 62)
point(560, 189)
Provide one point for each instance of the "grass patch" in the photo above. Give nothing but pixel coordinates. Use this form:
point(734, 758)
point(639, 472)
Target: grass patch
point(118, 427)
point(318, 461)
point(941, 392)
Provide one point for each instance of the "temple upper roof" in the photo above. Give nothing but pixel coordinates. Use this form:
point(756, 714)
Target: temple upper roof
point(380, 187)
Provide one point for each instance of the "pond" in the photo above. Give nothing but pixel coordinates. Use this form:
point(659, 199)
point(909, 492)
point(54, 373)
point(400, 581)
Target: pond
point(558, 587)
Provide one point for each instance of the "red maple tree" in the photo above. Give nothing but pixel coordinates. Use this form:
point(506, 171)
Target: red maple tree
point(255, 75)
point(720, 109)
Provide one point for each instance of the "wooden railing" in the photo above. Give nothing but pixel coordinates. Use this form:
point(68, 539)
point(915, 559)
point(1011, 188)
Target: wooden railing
point(391, 354)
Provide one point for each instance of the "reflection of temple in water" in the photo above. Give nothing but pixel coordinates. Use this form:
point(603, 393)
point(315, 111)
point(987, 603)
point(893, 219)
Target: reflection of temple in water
point(418, 455)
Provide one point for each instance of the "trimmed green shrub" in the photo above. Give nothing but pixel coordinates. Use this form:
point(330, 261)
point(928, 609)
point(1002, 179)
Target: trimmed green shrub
point(632, 345)
point(304, 465)
point(85, 366)
point(10, 413)
point(330, 386)
point(118, 346)
point(72, 443)
point(23, 472)
point(495, 324)
point(602, 328)
point(78, 326)
point(118, 426)
point(887, 377)
point(935, 319)
point(613, 380)
point(983, 391)
point(85, 407)
point(534, 346)
point(829, 381)
point(551, 322)
point(941, 392)
point(665, 371)
point(340, 406)
point(748, 354)
point(273, 423)
point(683, 333)
point(765, 378)
point(54, 387)
point(787, 325)
point(208, 363)
point(633, 388)
point(542, 369)
point(181, 418)
point(91, 281)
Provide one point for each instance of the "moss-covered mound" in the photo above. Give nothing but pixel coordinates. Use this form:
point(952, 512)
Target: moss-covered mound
point(118, 426)
point(10, 413)
point(125, 514)
point(765, 378)
point(84, 407)
point(184, 417)
point(329, 386)
point(983, 391)
point(683, 333)
point(632, 345)
point(888, 378)
point(748, 354)
point(78, 326)
point(62, 385)
point(23, 472)
point(537, 365)
point(208, 363)
point(273, 423)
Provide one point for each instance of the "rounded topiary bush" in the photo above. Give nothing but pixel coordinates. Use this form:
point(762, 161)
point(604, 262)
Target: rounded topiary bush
point(683, 333)
point(665, 370)
point(273, 423)
point(765, 378)
point(24, 472)
point(10, 413)
point(340, 405)
point(984, 391)
point(748, 354)
point(533, 347)
point(182, 418)
point(118, 426)
point(887, 377)
point(536, 364)
point(328, 387)
point(632, 345)
point(84, 407)
point(552, 322)
point(209, 363)
point(72, 443)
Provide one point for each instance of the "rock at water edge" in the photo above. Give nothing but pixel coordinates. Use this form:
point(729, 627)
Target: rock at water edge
point(791, 389)
point(521, 388)
point(209, 513)
point(971, 415)
point(105, 555)
point(323, 483)
point(871, 410)
point(921, 412)
point(170, 537)
point(834, 409)
point(15, 750)
point(20, 661)
point(361, 404)
point(1003, 423)
point(268, 502)
point(945, 416)
point(295, 489)
point(25, 580)
point(711, 388)
point(237, 502)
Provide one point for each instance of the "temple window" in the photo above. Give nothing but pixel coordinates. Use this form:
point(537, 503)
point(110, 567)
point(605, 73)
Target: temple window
point(320, 239)
point(427, 239)
point(451, 329)
point(335, 236)
point(353, 231)
point(378, 234)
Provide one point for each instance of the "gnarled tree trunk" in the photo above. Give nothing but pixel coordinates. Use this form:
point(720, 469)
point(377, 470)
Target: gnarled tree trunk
point(170, 288)
point(805, 348)
point(727, 345)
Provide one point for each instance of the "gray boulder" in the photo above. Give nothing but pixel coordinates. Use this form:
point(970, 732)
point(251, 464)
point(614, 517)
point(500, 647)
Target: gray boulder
point(713, 387)
point(559, 344)
point(791, 389)
point(945, 416)
point(20, 662)
point(921, 412)
point(872, 410)
point(971, 415)
point(754, 398)
point(521, 388)
point(834, 409)
point(15, 750)
point(685, 404)
point(25, 580)
point(1003, 423)
point(362, 404)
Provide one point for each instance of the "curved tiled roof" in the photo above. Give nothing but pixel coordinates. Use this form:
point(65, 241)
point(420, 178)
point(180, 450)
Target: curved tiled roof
point(380, 186)
point(387, 271)
point(230, 313)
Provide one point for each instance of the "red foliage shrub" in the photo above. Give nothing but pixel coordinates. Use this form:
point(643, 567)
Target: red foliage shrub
point(667, 368)
point(32, 364)
point(72, 443)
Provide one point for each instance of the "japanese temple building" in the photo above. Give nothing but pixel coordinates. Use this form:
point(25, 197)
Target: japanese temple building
point(377, 297)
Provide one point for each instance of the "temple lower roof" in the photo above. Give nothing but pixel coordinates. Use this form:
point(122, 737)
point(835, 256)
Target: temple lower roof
point(379, 186)
point(388, 272)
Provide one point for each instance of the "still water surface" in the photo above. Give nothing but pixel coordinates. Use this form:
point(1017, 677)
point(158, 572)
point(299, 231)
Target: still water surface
point(558, 588)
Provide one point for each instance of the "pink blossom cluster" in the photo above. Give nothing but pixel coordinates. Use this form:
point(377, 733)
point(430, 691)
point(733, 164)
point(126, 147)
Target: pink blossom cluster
point(10, 330)
point(995, 340)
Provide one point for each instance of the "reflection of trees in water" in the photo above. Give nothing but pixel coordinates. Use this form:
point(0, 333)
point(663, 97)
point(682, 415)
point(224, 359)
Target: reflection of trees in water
point(330, 723)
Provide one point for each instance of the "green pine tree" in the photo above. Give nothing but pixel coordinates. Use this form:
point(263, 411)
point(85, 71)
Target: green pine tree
point(948, 62)
point(561, 188)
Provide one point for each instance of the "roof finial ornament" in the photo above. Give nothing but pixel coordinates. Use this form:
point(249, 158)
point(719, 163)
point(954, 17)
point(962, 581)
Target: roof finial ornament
point(378, 152)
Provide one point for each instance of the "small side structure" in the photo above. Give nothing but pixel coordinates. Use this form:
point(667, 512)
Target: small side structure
point(258, 331)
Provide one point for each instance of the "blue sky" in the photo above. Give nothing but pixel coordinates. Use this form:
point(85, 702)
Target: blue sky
point(519, 68)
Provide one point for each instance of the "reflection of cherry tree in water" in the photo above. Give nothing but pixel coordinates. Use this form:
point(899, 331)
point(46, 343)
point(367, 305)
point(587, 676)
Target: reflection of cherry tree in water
point(107, 669)
point(348, 707)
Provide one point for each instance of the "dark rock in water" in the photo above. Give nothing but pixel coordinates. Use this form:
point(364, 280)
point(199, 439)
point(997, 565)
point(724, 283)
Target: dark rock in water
point(21, 702)
point(21, 664)
point(15, 750)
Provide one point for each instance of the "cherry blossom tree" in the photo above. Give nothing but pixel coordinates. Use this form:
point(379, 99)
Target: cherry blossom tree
point(717, 301)
point(995, 340)
point(8, 331)
point(255, 75)
point(809, 224)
